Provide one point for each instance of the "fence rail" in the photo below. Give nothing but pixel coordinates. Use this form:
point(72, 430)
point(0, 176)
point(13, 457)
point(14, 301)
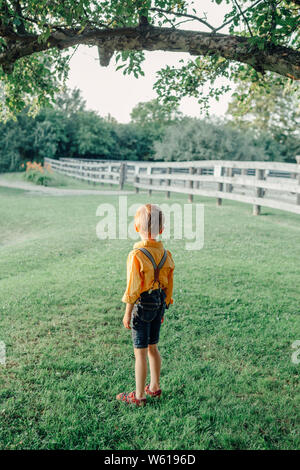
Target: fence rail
point(101, 172)
point(268, 184)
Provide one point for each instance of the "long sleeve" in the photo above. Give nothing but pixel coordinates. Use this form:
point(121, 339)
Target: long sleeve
point(134, 279)
point(169, 289)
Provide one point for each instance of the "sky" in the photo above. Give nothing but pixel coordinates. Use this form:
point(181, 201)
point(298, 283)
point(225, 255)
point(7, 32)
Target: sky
point(108, 91)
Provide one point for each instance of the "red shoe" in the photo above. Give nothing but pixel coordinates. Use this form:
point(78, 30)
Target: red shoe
point(131, 398)
point(152, 394)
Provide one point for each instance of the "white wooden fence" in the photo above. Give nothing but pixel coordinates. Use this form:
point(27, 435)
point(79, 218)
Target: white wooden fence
point(268, 184)
point(91, 171)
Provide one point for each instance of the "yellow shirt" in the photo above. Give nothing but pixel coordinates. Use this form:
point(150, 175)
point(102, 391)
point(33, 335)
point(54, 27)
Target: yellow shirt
point(140, 272)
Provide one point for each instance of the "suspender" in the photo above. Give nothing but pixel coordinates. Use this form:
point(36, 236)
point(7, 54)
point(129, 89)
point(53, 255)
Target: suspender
point(156, 267)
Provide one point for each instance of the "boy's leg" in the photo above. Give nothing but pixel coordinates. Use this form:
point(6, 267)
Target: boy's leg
point(140, 371)
point(155, 365)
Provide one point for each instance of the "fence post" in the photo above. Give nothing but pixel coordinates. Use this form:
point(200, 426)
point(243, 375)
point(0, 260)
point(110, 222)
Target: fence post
point(88, 174)
point(122, 174)
point(149, 171)
point(229, 173)
point(217, 173)
point(98, 176)
point(191, 183)
point(259, 192)
point(110, 171)
point(161, 180)
point(94, 182)
point(197, 182)
point(298, 194)
point(169, 171)
point(136, 177)
point(199, 172)
point(125, 172)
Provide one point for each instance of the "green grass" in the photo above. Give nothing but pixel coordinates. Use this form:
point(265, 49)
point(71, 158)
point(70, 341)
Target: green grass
point(63, 181)
point(227, 377)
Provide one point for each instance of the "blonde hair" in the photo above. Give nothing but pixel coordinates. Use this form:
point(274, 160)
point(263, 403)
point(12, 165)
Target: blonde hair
point(149, 220)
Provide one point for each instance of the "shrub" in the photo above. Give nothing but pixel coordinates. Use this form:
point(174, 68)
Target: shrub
point(37, 174)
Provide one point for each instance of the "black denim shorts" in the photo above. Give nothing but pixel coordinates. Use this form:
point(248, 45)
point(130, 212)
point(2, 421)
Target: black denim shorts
point(146, 323)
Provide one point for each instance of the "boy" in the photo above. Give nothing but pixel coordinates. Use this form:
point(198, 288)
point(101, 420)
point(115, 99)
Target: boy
point(149, 291)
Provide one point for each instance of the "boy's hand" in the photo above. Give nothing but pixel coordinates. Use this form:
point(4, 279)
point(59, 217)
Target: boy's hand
point(127, 316)
point(126, 321)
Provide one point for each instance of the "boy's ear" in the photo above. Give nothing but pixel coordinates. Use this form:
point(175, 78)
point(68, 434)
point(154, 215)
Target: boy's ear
point(136, 228)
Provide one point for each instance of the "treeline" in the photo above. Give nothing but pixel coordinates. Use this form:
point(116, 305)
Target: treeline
point(70, 130)
point(195, 139)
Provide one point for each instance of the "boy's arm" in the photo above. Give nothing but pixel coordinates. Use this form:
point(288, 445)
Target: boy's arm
point(134, 280)
point(133, 288)
point(169, 288)
point(127, 316)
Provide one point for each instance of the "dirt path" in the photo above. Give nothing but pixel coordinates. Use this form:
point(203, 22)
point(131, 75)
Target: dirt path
point(58, 191)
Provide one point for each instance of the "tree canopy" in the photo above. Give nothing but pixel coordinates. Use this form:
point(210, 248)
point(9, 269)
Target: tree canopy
point(215, 139)
point(275, 110)
point(150, 112)
point(38, 37)
point(68, 129)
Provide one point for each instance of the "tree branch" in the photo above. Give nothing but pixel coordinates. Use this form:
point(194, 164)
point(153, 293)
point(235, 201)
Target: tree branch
point(282, 60)
point(183, 15)
point(244, 17)
point(21, 27)
point(5, 28)
point(242, 12)
point(297, 2)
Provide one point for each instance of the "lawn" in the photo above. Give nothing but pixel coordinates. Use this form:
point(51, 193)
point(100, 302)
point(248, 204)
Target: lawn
point(227, 376)
point(63, 182)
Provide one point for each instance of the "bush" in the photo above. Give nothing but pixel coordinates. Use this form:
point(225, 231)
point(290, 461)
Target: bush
point(195, 139)
point(37, 174)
